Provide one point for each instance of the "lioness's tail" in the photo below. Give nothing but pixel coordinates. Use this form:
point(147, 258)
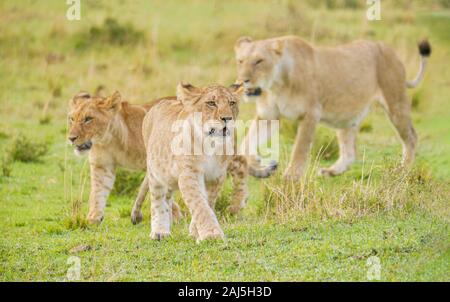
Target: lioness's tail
point(425, 52)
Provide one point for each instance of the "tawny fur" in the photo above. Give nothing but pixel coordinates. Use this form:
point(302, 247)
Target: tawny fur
point(198, 177)
point(335, 86)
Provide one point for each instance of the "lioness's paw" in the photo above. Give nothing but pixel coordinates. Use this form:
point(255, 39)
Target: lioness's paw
point(159, 235)
point(293, 174)
point(136, 217)
point(326, 172)
point(94, 220)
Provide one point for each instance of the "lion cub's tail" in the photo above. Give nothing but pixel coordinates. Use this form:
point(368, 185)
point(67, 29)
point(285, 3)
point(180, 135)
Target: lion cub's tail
point(425, 52)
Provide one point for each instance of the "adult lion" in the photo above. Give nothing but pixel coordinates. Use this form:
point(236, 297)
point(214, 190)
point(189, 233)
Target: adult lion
point(289, 77)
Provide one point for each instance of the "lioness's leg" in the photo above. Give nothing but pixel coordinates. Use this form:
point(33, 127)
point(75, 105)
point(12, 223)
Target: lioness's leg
point(302, 146)
point(136, 213)
point(347, 152)
point(398, 111)
point(193, 191)
point(160, 211)
point(102, 181)
point(238, 171)
point(257, 136)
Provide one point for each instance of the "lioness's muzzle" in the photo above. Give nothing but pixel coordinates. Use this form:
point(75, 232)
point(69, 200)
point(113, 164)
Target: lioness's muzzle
point(253, 91)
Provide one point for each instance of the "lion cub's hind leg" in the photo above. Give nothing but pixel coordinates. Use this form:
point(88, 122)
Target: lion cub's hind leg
point(347, 152)
point(136, 212)
point(238, 170)
point(160, 211)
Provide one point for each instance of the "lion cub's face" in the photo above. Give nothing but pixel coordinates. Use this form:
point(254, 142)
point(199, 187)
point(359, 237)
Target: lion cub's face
point(89, 118)
point(218, 106)
point(256, 63)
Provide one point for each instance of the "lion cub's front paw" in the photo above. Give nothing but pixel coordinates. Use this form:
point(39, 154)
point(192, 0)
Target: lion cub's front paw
point(155, 235)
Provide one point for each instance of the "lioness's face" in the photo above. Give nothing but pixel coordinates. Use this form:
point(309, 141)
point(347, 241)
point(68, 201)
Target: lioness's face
point(89, 118)
point(257, 63)
point(218, 106)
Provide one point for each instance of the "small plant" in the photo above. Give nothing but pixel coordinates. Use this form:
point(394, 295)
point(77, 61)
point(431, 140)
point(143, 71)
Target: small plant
point(46, 119)
point(6, 168)
point(110, 32)
point(366, 127)
point(24, 150)
point(76, 219)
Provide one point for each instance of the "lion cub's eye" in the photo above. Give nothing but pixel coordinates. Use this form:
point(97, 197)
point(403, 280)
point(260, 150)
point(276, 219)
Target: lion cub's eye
point(70, 119)
point(259, 61)
point(211, 104)
point(88, 119)
point(240, 61)
point(232, 103)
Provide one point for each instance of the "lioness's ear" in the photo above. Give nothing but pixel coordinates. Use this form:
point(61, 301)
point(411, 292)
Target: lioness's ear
point(237, 89)
point(278, 47)
point(186, 92)
point(112, 102)
point(80, 97)
point(241, 41)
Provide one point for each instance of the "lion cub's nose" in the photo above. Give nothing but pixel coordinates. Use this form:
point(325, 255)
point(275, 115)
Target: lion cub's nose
point(72, 138)
point(226, 119)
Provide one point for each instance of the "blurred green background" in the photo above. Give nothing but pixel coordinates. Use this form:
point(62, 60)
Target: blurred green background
point(322, 229)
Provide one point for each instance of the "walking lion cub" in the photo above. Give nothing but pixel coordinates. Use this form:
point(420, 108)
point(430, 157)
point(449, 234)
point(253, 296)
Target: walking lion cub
point(199, 170)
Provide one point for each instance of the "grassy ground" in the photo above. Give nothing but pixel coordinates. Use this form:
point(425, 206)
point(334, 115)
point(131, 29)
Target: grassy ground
point(319, 229)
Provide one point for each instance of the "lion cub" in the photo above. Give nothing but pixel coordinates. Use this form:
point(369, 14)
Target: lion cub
point(207, 116)
point(109, 130)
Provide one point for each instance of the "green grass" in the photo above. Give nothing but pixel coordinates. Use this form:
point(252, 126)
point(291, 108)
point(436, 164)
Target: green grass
point(319, 229)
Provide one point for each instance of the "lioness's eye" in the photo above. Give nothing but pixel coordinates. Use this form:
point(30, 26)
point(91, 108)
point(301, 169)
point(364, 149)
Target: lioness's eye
point(240, 61)
point(88, 120)
point(232, 103)
point(211, 104)
point(258, 61)
point(70, 119)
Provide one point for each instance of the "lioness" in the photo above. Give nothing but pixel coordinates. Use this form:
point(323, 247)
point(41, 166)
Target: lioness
point(289, 77)
point(197, 174)
point(111, 131)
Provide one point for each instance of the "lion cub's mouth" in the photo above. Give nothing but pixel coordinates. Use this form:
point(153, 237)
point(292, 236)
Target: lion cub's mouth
point(253, 91)
point(84, 147)
point(225, 132)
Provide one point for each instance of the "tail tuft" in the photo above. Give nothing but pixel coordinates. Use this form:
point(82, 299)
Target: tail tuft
point(425, 48)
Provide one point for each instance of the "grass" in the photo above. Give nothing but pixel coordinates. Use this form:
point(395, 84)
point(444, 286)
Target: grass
point(317, 229)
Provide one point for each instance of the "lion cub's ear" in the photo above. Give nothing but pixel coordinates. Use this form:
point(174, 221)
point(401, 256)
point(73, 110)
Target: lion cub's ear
point(241, 41)
point(186, 93)
point(80, 97)
point(237, 89)
point(113, 102)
